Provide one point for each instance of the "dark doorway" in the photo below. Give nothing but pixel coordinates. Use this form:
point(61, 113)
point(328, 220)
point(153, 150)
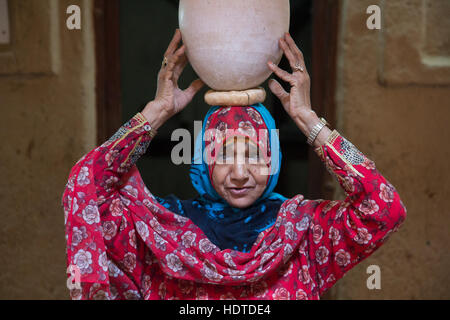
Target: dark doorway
point(132, 36)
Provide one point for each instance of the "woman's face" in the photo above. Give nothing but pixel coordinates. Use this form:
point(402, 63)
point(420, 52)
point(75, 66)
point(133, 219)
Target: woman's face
point(240, 174)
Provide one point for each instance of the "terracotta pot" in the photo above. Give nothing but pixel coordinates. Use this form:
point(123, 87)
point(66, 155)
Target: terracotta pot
point(229, 42)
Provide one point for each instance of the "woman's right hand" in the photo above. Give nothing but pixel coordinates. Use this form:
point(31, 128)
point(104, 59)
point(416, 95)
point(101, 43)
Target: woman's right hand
point(170, 99)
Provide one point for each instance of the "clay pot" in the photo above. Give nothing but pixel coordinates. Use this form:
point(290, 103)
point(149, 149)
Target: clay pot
point(229, 42)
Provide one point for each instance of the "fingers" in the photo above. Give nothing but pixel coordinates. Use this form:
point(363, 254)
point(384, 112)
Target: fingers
point(173, 43)
point(283, 75)
point(195, 87)
point(288, 53)
point(174, 61)
point(179, 67)
point(293, 54)
point(294, 49)
point(278, 90)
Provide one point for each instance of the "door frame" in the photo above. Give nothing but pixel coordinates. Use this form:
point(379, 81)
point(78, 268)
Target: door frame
point(107, 51)
point(326, 15)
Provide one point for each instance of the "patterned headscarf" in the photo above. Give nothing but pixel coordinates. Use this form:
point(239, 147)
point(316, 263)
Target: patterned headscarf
point(254, 122)
point(224, 225)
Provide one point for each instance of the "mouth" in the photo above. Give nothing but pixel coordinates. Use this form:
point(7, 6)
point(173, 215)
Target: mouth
point(240, 191)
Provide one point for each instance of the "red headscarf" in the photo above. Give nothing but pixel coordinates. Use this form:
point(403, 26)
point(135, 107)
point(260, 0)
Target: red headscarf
point(229, 122)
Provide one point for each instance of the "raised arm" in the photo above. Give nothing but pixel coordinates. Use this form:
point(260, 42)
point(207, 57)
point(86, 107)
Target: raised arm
point(343, 233)
point(95, 210)
point(99, 231)
point(115, 157)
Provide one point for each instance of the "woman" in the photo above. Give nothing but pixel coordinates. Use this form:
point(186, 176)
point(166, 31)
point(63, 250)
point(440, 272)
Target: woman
point(238, 239)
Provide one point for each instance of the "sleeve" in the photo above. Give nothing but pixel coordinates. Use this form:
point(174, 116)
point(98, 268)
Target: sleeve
point(101, 248)
point(343, 233)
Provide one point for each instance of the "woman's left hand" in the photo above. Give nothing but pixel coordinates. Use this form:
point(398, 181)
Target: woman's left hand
point(297, 102)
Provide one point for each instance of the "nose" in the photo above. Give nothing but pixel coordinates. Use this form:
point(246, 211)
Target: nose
point(239, 172)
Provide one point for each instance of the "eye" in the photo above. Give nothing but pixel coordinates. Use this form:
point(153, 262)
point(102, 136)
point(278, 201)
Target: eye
point(252, 153)
point(255, 156)
point(222, 156)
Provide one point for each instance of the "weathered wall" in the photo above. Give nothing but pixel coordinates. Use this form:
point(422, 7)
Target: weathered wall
point(393, 103)
point(47, 102)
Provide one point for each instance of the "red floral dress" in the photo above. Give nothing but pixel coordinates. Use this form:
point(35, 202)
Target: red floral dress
point(125, 245)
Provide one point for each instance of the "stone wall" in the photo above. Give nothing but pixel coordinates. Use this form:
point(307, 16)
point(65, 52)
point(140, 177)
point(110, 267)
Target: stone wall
point(47, 101)
point(393, 103)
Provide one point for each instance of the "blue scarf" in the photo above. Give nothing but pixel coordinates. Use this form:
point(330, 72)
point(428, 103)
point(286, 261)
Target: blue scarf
point(225, 226)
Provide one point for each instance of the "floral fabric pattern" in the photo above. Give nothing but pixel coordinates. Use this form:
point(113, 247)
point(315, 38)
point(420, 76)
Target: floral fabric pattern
point(128, 246)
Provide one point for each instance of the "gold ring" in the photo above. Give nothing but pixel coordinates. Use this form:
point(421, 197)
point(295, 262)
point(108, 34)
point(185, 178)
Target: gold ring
point(165, 62)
